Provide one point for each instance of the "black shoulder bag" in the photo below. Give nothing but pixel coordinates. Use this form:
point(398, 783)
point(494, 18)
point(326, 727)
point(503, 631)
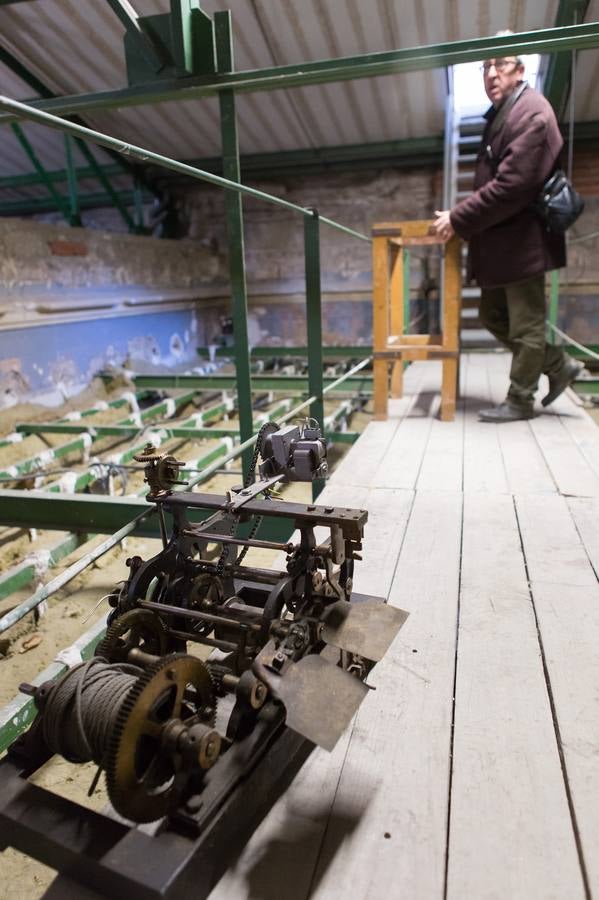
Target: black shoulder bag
point(559, 204)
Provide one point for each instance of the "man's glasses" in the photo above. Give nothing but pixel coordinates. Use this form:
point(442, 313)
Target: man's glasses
point(499, 64)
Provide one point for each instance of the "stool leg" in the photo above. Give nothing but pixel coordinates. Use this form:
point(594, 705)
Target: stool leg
point(449, 389)
point(381, 388)
point(397, 379)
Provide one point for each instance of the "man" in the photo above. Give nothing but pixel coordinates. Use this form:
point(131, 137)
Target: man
point(509, 247)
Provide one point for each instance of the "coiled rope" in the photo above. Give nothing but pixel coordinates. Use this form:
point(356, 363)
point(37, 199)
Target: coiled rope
point(82, 707)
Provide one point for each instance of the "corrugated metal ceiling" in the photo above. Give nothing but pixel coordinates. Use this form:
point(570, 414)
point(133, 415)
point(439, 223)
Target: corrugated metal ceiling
point(75, 47)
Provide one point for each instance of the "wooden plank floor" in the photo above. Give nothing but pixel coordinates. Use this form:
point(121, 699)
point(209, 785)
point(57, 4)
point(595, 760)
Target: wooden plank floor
point(473, 770)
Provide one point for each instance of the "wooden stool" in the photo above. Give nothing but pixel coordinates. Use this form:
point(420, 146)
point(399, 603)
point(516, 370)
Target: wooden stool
point(391, 304)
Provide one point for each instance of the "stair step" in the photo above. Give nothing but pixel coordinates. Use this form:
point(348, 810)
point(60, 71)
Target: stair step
point(469, 140)
point(470, 293)
point(472, 123)
point(477, 338)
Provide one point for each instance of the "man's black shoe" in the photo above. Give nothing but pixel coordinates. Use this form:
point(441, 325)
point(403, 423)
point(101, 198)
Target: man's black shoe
point(558, 383)
point(506, 412)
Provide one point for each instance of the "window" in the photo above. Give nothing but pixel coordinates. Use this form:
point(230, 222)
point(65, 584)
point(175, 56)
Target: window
point(469, 92)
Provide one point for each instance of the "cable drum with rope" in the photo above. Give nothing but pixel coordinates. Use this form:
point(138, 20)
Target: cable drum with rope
point(81, 709)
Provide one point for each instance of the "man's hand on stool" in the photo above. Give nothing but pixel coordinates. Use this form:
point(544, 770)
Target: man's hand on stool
point(442, 224)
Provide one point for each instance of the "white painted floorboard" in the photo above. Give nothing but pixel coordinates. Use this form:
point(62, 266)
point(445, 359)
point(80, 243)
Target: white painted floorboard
point(472, 772)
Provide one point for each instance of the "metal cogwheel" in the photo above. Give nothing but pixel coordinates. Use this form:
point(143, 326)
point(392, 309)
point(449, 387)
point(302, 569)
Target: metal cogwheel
point(144, 777)
point(148, 454)
point(137, 629)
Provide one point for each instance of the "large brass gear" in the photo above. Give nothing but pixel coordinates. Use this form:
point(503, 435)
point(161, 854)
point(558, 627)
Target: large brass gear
point(146, 771)
point(137, 629)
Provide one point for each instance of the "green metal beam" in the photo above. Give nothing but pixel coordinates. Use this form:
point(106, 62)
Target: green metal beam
point(97, 513)
point(190, 431)
point(393, 154)
point(129, 18)
point(586, 386)
point(12, 63)
point(79, 445)
point(36, 115)
point(43, 204)
point(282, 383)
point(556, 86)
point(314, 324)
point(368, 65)
point(60, 201)
point(341, 352)
point(21, 575)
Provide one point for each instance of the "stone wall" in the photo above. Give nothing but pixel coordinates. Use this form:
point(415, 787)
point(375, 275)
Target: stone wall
point(274, 236)
point(46, 256)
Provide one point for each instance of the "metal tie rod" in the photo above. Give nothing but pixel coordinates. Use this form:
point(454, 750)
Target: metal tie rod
point(23, 110)
point(242, 542)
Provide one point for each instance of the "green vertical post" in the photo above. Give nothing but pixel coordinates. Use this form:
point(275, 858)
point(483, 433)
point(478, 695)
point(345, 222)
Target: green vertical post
point(234, 213)
point(75, 214)
point(314, 323)
point(553, 303)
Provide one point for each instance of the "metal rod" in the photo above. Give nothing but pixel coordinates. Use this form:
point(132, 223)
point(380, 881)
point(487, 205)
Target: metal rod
point(348, 374)
point(23, 110)
point(241, 542)
point(314, 324)
point(234, 213)
point(196, 614)
point(47, 590)
point(228, 646)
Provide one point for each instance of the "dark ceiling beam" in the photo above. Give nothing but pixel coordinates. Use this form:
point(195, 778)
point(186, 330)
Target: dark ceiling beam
point(12, 63)
point(368, 65)
point(556, 84)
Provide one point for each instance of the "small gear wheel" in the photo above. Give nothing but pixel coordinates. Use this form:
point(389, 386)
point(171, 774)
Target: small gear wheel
point(137, 629)
point(148, 454)
point(161, 470)
point(145, 775)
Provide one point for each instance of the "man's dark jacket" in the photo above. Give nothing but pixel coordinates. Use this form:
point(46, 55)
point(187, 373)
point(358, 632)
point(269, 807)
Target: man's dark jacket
point(508, 242)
